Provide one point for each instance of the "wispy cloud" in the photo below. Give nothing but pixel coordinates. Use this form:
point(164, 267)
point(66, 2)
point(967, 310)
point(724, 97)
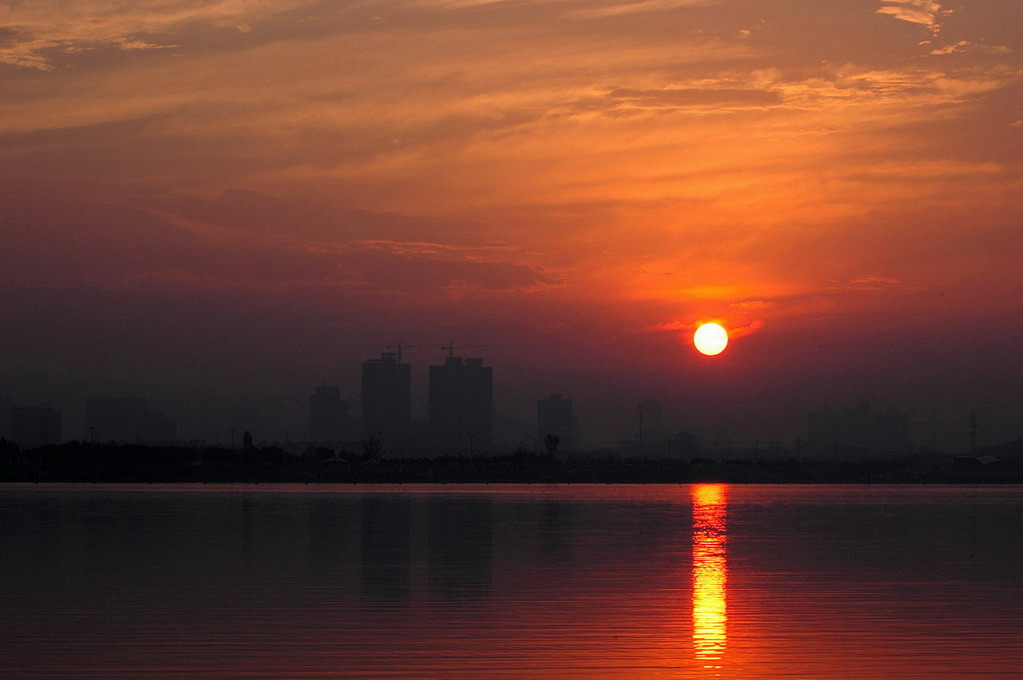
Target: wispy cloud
point(620, 8)
point(674, 97)
point(874, 282)
point(924, 12)
point(39, 30)
point(136, 44)
point(754, 305)
point(967, 46)
point(601, 9)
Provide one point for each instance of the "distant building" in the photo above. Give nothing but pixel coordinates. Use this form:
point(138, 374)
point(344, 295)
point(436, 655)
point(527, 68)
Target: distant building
point(5, 417)
point(651, 422)
point(554, 416)
point(857, 430)
point(387, 401)
point(328, 415)
point(462, 405)
point(35, 426)
point(127, 421)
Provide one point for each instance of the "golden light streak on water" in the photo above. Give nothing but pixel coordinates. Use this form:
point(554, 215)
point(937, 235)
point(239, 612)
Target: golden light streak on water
point(710, 574)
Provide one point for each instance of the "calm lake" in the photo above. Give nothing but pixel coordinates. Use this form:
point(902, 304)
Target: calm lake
point(638, 582)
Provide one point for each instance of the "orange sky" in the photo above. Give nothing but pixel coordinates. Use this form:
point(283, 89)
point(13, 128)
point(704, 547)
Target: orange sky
point(212, 191)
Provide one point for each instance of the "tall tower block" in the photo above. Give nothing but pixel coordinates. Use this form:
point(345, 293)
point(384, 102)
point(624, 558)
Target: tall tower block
point(387, 401)
point(462, 405)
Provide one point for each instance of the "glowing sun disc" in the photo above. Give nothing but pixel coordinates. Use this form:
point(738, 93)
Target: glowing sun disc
point(710, 339)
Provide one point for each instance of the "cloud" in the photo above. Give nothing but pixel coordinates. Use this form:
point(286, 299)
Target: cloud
point(399, 119)
point(918, 172)
point(685, 328)
point(135, 44)
point(735, 332)
point(620, 8)
point(688, 97)
point(56, 238)
point(967, 46)
point(754, 305)
point(32, 34)
point(602, 9)
point(69, 239)
point(872, 282)
point(319, 221)
point(923, 12)
point(852, 87)
point(383, 269)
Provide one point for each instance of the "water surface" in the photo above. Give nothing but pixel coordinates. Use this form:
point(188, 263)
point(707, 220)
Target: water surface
point(656, 581)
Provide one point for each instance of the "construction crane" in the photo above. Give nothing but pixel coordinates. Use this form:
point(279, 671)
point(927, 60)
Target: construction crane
point(400, 347)
point(451, 347)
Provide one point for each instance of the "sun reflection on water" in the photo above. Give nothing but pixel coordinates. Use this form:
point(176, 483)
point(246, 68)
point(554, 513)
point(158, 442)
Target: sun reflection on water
point(710, 574)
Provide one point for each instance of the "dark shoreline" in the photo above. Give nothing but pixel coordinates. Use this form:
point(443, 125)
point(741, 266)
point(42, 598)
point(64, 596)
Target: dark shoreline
point(78, 462)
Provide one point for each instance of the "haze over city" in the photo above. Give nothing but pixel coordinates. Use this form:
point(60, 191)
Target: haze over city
point(220, 205)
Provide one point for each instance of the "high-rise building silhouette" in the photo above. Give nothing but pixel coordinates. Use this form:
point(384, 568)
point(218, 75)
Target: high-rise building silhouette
point(35, 426)
point(328, 415)
point(387, 401)
point(127, 420)
point(462, 405)
point(554, 416)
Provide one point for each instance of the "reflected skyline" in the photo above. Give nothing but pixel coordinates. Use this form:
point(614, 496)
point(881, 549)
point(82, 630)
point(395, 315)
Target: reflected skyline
point(710, 574)
point(466, 582)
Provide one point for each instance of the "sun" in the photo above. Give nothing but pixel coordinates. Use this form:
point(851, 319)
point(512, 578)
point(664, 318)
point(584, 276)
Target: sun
point(710, 339)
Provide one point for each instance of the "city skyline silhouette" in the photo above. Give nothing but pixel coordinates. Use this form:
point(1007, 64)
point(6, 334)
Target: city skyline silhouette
point(382, 409)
